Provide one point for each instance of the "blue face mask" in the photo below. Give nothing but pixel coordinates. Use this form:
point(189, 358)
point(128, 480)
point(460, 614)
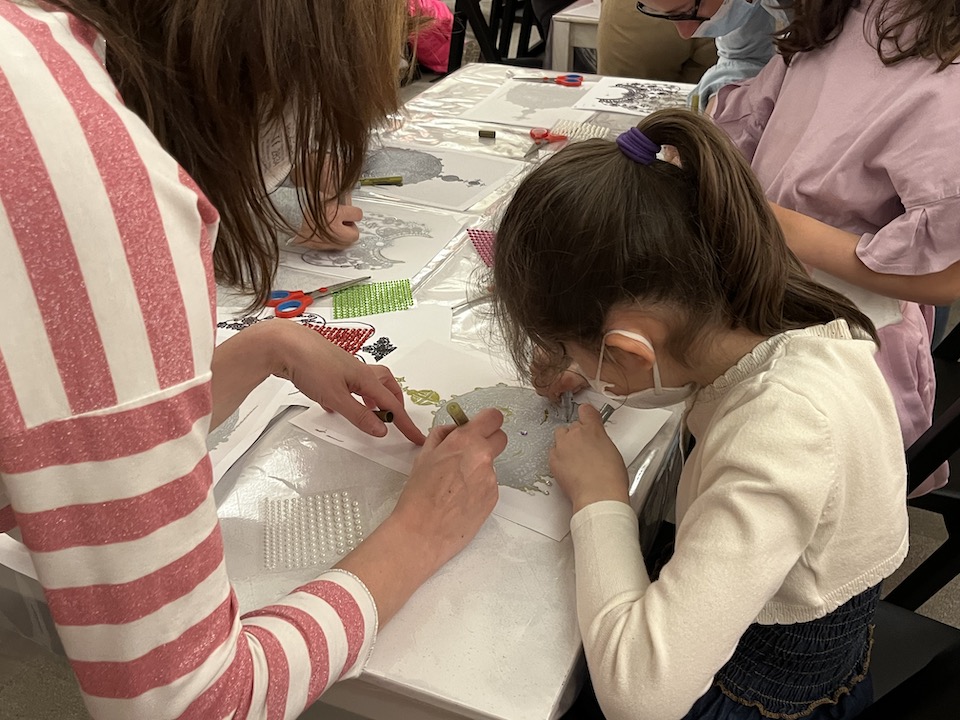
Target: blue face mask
point(731, 15)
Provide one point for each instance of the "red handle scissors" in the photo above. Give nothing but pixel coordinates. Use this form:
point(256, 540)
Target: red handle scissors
point(568, 80)
point(542, 136)
point(293, 303)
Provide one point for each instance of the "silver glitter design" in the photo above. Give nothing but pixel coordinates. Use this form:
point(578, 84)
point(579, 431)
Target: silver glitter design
point(416, 166)
point(532, 98)
point(312, 530)
point(529, 422)
point(378, 234)
point(645, 98)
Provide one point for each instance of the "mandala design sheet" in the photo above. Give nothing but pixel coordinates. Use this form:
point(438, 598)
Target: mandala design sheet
point(429, 177)
point(396, 242)
point(635, 97)
point(432, 374)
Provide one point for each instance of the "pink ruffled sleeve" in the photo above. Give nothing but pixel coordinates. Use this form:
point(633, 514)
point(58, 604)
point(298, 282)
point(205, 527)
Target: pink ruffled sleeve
point(925, 239)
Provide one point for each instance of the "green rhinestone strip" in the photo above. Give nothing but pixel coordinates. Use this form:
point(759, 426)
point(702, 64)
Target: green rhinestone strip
point(372, 299)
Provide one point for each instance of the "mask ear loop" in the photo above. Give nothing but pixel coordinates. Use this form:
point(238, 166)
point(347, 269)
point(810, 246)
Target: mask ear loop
point(599, 382)
point(657, 385)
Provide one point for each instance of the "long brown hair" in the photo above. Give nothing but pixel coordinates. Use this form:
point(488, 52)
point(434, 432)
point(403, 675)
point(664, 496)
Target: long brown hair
point(211, 78)
point(590, 229)
point(904, 28)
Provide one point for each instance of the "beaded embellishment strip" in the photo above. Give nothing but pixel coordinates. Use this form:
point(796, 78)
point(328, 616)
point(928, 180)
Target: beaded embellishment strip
point(311, 530)
point(483, 243)
point(372, 299)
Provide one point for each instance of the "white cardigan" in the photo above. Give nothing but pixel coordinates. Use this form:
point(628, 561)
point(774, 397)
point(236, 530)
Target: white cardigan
point(792, 502)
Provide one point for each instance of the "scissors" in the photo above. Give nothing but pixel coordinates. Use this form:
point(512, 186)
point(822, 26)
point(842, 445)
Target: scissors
point(293, 303)
point(568, 80)
point(542, 136)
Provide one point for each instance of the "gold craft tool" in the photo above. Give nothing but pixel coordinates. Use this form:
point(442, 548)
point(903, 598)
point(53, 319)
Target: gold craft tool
point(385, 415)
point(606, 411)
point(392, 180)
point(457, 413)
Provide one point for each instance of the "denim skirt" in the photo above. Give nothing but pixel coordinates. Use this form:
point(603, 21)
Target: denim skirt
point(816, 670)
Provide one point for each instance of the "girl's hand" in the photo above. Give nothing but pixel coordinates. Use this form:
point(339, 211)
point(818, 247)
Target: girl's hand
point(585, 462)
point(330, 376)
point(340, 213)
point(552, 384)
point(342, 217)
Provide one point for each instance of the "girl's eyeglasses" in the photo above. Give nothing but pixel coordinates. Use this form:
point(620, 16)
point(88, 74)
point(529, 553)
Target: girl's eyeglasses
point(674, 17)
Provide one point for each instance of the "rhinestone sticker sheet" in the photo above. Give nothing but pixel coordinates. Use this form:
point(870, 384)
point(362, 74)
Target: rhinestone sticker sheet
point(311, 530)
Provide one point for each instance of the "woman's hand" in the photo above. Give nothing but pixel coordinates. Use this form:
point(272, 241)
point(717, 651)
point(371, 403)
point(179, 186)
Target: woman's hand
point(330, 376)
point(585, 462)
point(550, 383)
point(453, 486)
point(451, 491)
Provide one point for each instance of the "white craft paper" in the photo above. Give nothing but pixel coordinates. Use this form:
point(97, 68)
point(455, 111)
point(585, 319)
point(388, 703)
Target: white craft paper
point(396, 242)
point(530, 105)
point(449, 371)
point(429, 366)
point(234, 436)
point(437, 178)
point(634, 97)
point(399, 330)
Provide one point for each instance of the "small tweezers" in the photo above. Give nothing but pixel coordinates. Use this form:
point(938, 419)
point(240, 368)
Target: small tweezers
point(566, 401)
point(606, 411)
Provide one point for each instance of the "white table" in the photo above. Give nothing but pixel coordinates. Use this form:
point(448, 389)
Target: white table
point(493, 635)
point(575, 26)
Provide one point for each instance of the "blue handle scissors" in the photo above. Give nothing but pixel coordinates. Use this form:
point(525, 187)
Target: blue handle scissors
point(293, 303)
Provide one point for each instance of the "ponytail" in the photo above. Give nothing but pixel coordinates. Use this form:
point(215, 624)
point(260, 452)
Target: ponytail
point(594, 227)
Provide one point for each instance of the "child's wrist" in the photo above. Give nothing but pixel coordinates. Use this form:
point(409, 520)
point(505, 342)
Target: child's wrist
point(589, 496)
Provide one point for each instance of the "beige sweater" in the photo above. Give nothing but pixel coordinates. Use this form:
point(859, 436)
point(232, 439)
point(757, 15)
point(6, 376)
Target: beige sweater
point(792, 502)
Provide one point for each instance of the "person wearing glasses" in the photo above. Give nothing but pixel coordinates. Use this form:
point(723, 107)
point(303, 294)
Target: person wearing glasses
point(743, 30)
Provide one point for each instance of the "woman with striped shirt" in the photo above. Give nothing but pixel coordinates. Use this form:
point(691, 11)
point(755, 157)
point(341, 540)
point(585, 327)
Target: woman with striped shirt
point(140, 141)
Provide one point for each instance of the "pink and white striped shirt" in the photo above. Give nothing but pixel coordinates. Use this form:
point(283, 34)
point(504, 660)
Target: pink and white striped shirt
point(106, 340)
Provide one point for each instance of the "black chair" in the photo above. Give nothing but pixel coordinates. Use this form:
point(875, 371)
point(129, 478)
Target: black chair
point(940, 443)
point(495, 35)
point(469, 13)
point(909, 653)
point(916, 660)
point(504, 14)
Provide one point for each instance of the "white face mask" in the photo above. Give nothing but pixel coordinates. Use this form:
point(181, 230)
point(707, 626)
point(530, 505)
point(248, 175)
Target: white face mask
point(276, 140)
point(655, 397)
point(728, 17)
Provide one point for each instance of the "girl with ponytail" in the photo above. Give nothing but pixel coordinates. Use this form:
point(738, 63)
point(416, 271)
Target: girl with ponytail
point(655, 282)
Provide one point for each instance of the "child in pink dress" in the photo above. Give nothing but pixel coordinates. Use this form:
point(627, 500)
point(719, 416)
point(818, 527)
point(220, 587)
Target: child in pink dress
point(851, 140)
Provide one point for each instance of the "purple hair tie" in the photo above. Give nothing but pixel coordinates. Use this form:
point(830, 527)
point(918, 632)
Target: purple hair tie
point(637, 146)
